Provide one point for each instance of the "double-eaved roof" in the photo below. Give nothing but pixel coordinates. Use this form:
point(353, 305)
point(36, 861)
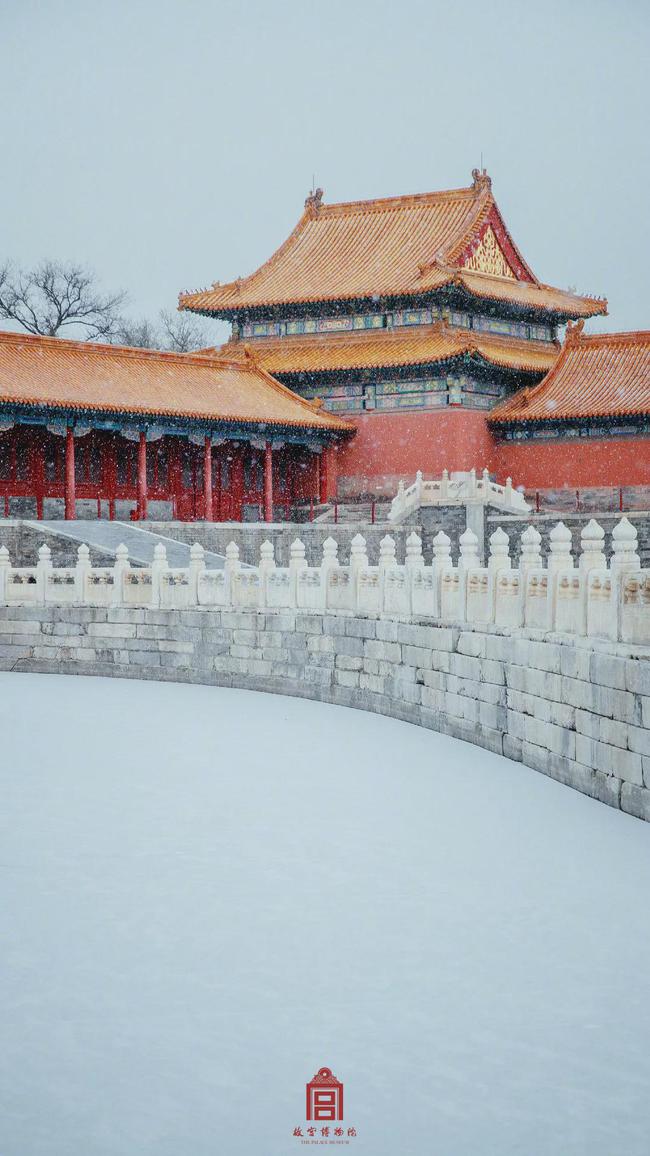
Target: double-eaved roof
point(392, 248)
point(392, 348)
point(51, 372)
point(595, 376)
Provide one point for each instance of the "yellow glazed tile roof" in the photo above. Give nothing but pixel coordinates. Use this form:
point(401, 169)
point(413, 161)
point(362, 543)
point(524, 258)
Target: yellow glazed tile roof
point(595, 375)
point(396, 246)
point(51, 371)
point(372, 349)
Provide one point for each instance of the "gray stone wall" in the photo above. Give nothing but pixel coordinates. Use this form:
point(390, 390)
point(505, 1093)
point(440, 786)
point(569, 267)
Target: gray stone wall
point(250, 535)
point(23, 540)
point(578, 711)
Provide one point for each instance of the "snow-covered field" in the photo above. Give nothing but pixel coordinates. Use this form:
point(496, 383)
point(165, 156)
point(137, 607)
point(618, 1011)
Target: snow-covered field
point(209, 894)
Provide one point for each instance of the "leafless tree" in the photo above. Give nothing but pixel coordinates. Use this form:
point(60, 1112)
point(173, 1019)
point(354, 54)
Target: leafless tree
point(183, 332)
point(142, 334)
point(56, 294)
point(174, 332)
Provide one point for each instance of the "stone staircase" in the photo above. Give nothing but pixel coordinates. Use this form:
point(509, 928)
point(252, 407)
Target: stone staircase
point(103, 538)
point(348, 513)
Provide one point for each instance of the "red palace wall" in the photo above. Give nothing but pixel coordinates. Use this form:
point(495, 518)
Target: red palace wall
point(576, 464)
point(390, 446)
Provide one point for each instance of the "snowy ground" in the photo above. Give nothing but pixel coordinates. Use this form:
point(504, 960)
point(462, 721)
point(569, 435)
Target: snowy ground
point(209, 894)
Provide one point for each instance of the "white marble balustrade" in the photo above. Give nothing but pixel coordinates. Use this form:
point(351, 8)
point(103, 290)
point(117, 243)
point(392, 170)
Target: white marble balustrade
point(580, 596)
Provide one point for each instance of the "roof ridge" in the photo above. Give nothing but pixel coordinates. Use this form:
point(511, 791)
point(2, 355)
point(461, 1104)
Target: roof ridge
point(626, 336)
point(105, 348)
point(394, 203)
point(250, 361)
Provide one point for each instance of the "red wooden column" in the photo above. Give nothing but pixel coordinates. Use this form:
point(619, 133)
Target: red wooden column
point(323, 474)
point(237, 483)
point(207, 479)
point(142, 476)
point(268, 482)
point(38, 471)
point(69, 474)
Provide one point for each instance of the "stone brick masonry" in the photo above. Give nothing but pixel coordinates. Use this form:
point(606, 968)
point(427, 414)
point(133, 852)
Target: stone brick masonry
point(576, 709)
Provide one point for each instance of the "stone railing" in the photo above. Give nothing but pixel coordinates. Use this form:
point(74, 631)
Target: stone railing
point(455, 491)
point(586, 599)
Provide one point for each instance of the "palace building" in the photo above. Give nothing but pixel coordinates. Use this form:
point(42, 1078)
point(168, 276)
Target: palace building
point(92, 430)
point(383, 337)
point(415, 317)
point(587, 421)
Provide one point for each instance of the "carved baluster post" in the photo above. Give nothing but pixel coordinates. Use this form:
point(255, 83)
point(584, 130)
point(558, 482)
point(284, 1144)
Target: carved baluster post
point(508, 494)
point(5, 567)
point(297, 562)
point(387, 553)
point(197, 566)
point(330, 555)
point(624, 552)
point(441, 563)
point(120, 569)
point(358, 562)
point(625, 560)
point(444, 484)
point(414, 563)
point(530, 557)
point(469, 560)
point(499, 551)
point(330, 562)
point(418, 489)
point(559, 561)
point(560, 556)
point(232, 566)
point(387, 562)
point(82, 573)
point(592, 555)
point(442, 552)
point(267, 557)
point(43, 571)
point(159, 568)
point(266, 565)
point(414, 559)
point(358, 553)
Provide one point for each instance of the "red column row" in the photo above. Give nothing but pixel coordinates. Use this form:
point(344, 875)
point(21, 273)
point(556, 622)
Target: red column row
point(300, 477)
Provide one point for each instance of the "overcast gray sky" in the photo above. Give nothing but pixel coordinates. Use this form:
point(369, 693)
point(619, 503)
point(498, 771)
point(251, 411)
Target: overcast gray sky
point(169, 144)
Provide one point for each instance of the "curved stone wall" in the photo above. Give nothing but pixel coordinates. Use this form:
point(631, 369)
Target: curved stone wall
point(573, 708)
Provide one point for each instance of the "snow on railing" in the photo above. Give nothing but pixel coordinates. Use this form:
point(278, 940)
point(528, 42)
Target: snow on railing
point(455, 491)
point(587, 599)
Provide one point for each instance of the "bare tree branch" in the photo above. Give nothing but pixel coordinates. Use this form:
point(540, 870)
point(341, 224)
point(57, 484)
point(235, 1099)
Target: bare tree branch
point(142, 334)
point(56, 294)
point(183, 332)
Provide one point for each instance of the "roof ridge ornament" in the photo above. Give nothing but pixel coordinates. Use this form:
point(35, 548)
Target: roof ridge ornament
point(436, 262)
point(481, 180)
point(573, 332)
point(313, 202)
